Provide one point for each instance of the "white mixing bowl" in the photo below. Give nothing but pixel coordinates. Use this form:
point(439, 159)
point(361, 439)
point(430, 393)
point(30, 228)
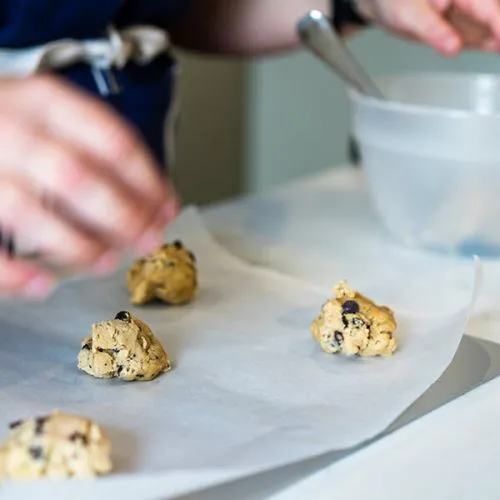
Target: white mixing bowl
point(431, 154)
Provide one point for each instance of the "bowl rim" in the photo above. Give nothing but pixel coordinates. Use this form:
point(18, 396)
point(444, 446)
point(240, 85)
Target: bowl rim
point(389, 106)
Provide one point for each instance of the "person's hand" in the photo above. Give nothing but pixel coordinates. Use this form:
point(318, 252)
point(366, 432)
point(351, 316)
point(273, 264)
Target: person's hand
point(76, 183)
point(446, 25)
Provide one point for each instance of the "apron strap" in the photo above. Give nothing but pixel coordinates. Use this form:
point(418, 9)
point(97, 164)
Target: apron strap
point(140, 44)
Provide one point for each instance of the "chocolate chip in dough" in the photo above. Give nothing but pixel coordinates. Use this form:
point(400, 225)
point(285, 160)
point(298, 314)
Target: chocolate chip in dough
point(39, 424)
point(36, 452)
point(78, 436)
point(350, 307)
point(123, 316)
point(15, 424)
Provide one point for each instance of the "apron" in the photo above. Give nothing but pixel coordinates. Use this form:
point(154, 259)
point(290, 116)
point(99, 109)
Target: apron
point(117, 50)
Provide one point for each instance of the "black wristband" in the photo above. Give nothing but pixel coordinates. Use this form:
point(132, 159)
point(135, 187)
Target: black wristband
point(344, 14)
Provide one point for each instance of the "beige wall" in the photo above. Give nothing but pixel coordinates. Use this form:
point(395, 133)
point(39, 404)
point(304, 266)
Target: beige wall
point(209, 148)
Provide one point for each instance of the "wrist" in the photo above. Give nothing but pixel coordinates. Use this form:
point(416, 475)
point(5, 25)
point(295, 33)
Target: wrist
point(346, 13)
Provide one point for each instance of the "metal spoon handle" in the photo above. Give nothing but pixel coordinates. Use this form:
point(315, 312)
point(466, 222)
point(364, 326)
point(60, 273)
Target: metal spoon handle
point(316, 32)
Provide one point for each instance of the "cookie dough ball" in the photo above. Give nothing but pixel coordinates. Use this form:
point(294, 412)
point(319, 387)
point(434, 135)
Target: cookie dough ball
point(59, 445)
point(169, 275)
point(125, 348)
point(352, 324)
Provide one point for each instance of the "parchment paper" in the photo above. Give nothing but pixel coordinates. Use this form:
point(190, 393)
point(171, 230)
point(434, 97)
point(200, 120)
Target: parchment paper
point(250, 391)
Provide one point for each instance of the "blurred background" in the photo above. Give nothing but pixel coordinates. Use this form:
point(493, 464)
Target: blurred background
point(248, 126)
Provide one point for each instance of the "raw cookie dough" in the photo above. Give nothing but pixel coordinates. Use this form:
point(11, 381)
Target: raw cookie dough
point(124, 347)
point(352, 324)
point(59, 445)
point(169, 275)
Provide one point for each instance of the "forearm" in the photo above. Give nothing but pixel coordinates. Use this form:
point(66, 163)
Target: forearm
point(244, 27)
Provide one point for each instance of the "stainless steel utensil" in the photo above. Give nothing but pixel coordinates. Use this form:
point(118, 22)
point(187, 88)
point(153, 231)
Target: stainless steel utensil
point(316, 33)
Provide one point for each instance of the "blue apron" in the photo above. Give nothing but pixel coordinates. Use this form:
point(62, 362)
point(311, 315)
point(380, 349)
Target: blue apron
point(146, 90)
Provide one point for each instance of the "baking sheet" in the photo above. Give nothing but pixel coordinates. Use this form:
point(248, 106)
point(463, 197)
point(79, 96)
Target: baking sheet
point(250, 391)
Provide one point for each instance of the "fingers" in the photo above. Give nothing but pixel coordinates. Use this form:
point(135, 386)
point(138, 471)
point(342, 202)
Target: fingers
point(106, 208)
point(24, 279)
point(104, 192)
point(89, 125)
point(446, 25)
point(22, 212)
point(474, 34)
point(422, 21)
point(487, 12)
point(83, 191)
point(477, 23)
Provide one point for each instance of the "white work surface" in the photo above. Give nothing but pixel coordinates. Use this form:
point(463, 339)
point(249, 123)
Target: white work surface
point(323, 229)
